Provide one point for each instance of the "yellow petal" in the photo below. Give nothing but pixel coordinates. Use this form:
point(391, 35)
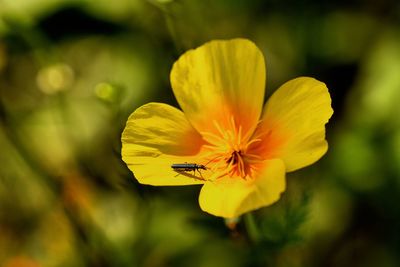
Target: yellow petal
point(155, 137)
point(232, 196)
point(220, 80)
point(293, 123)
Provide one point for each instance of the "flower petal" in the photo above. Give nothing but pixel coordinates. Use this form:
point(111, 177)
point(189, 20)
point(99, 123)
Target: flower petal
point(155, 137)
point(231, 197)
point(219, 81)
point(293, 123)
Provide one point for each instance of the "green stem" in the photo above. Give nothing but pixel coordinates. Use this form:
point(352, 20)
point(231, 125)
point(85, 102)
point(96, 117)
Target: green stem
point(251, 227)
point(170, 24)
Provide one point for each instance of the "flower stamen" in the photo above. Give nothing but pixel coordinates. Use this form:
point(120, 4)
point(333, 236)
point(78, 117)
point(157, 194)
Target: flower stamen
point(228, 150)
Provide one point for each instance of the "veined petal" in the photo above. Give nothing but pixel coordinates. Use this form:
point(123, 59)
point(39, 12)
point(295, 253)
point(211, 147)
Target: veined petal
point(221, 80)
point(155, 137)
point(150, 167)
point(231, 197)
point(293, 123)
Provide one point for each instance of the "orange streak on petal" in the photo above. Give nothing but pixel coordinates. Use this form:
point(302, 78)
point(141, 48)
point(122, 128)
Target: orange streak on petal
point(270, 139)
point(224, 121)
point(191, 142)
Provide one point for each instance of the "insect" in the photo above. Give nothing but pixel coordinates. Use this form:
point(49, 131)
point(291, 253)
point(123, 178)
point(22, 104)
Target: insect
point(187, 167)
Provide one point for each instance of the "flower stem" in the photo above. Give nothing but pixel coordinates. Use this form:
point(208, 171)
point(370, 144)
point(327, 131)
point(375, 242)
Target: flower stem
point(251, 227)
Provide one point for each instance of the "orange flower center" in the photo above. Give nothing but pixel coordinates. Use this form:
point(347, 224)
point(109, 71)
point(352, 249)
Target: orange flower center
point(228, 151)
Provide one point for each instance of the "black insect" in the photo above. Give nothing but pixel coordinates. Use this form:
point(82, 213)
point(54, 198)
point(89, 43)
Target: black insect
point(187, 167)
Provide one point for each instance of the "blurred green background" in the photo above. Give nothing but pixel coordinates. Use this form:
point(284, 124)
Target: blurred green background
point(71, 72)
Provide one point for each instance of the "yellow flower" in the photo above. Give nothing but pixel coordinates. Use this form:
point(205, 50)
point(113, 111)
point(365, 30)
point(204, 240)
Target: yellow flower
point(245, 148)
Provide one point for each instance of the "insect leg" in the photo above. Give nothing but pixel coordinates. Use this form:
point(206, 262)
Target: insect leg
point(200, 174)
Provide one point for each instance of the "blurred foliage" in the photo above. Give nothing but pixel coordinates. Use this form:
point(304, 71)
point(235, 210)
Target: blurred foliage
point(72, 71)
